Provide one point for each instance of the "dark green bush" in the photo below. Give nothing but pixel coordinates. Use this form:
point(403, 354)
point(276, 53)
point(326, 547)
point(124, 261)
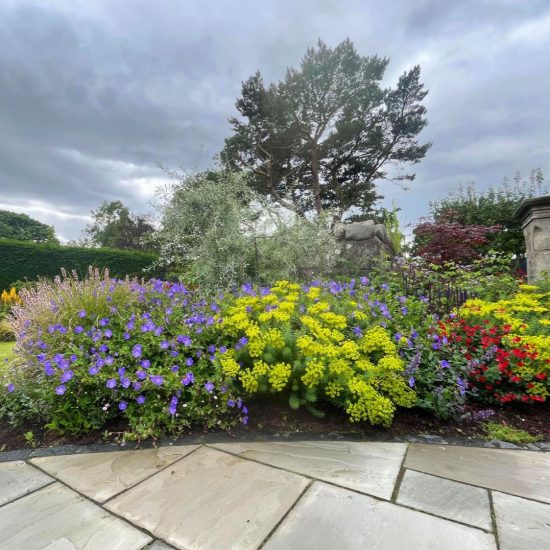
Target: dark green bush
point(27, 261)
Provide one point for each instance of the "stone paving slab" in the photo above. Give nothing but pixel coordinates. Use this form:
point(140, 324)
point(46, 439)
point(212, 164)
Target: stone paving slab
point(18, 479)
point(56, 518)
point(445, 498)
point(211, 500)
point(370, 467)
point(521, 523)
point(331, 518)
point(521, 473)
point(100, 476)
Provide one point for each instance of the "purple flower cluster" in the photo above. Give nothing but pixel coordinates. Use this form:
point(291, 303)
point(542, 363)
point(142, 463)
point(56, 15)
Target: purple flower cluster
point(126, 354)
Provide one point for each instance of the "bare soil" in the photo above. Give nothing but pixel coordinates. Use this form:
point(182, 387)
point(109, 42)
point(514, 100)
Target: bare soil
point(274, 416)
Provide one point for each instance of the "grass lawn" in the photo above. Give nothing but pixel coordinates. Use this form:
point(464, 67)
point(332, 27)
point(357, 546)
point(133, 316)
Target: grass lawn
point(6, 351)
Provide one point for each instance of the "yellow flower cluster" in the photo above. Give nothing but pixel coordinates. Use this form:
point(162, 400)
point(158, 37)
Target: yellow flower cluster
point(9, 298)
point(527, 313)
point(279, 375)
point(304, 339)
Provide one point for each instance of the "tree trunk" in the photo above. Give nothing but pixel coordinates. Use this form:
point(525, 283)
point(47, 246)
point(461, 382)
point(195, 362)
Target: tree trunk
point(315, 176)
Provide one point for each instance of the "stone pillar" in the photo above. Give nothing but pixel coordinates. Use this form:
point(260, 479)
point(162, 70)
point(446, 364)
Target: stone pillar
point(535, 222)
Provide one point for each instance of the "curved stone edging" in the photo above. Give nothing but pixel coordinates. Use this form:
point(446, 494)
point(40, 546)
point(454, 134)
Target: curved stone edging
point(24, 454)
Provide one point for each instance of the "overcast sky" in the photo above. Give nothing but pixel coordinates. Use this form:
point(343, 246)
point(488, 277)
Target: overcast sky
point(94, 93)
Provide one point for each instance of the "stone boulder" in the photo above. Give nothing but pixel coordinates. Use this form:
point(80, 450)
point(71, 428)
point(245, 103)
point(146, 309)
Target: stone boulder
point(363, 243)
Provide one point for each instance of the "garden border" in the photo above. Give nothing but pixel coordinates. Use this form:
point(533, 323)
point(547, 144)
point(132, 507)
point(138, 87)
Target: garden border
point(25, 454)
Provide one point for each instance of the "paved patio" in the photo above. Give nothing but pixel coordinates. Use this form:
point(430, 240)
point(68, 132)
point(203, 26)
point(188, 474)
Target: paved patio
point(279, 495)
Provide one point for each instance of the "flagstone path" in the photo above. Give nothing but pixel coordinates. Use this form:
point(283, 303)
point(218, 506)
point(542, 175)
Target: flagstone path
point(321, 495)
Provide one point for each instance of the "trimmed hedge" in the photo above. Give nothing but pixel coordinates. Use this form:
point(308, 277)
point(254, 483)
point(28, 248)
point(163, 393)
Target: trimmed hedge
point(21, 260)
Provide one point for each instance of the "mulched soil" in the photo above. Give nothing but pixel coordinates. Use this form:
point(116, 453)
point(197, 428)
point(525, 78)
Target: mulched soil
point(274, 416)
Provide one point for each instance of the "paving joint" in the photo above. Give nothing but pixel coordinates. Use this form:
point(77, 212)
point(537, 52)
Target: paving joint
point(479, 486)
point(356, 491)
point(285, 515)
point(150, 475)
point(494, 518)
point(110, 512)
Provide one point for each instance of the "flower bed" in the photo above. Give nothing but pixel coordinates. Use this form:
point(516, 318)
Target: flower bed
point(165, 358)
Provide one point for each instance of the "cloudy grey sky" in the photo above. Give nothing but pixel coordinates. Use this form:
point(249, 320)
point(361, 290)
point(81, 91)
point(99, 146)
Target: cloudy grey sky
point(93, 93)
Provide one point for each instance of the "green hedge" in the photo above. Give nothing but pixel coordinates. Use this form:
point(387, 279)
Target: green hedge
point(23, 260)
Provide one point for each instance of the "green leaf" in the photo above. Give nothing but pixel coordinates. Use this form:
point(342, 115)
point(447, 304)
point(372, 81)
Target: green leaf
point(317, 413)
point(294, 401)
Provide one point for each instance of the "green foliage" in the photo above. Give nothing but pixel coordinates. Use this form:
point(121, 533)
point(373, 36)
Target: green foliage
point(6, 333)
point(510, 434)
point(24, 260)
point(496, 206)
point(115, 227)
point(21, 227)
point(447, 286)
point(321, 137)
point(391, 221)
point(219, 233)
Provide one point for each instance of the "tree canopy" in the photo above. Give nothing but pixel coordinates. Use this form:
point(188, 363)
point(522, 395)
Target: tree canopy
point(24, 228)
point(320, 138)
point(469, 206)
point(217, 232)
point(115, 227)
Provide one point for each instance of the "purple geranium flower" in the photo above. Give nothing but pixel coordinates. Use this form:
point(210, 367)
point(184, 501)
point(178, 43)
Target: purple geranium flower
point(66, 376)
point(82, 313)
point(136, 351)
point(462, 385)
point(185, 340)
point(209, 387)
point(78, 329)
point(444, 364)
point(123, 405)
point(111, 383)
point(189, 378)
point(60, 390)
point(140, 399)
point(157, 379)
point(10, 388)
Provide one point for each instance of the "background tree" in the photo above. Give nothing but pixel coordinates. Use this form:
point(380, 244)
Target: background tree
point(441, 242)
point(320, 138)
point(115, 227)
point(217, 232)
point(24, 228)
point(468, 206)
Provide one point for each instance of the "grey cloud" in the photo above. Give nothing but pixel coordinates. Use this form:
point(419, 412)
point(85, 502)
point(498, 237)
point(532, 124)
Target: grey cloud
point(93, 94)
